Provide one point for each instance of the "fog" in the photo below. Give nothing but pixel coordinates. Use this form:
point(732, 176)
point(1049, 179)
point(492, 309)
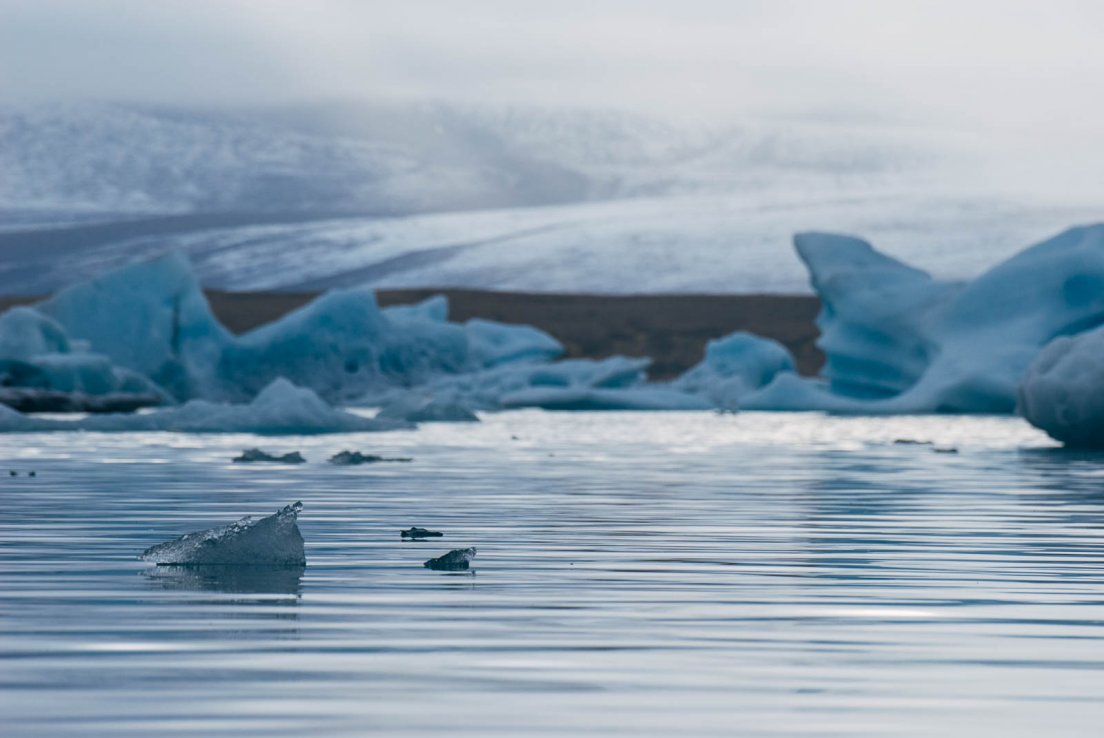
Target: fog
point(1011, 64)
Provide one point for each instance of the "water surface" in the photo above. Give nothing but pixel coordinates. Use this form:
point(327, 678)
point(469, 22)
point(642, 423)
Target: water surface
point(638, 574)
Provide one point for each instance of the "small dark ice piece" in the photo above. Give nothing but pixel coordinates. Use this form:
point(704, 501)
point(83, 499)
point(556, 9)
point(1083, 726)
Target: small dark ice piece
point(13, 473)
point(416, 532)
point(251, 455)
point(910, 442)
point(353, 458)
point(458, 559)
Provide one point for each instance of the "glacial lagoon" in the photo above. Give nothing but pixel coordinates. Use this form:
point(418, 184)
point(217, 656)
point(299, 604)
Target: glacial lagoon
point(639, 574)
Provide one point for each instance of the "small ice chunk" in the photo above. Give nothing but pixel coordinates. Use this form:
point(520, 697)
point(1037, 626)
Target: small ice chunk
point(459, 559)
point(251, 455)
point(416, 532)
point(271, 541)
point(354, 458)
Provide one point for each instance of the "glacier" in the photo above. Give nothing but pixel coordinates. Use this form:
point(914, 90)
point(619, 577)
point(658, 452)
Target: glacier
point(271, 541)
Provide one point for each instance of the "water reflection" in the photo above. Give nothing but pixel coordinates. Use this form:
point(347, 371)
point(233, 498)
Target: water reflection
point(1066, 470)
point(229, 579)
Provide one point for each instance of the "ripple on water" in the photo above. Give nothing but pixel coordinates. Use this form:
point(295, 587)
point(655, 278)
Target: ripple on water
point(638, 574)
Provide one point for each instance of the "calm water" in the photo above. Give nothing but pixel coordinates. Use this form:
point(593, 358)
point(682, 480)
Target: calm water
point(638, 574)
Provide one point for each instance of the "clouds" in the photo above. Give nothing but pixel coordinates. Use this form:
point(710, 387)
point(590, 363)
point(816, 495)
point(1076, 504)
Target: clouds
point(1012, 64)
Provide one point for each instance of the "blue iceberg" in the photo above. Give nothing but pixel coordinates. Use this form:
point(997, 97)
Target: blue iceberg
point(898, 341)
point(1063, 390)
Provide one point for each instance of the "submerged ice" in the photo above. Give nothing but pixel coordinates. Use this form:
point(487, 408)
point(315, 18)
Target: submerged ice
point(271, 541)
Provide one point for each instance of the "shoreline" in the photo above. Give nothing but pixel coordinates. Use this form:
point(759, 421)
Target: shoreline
point(673, 329)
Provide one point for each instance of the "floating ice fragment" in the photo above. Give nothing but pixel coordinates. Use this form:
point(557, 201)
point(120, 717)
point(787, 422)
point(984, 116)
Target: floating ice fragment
point(354, 458)
point(271, 541)
point(416, 532)
point(251, 455)
point(458, 559)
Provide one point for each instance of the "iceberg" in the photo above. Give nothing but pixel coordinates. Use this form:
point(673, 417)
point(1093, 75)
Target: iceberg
point(735, 366)
point(342, 346)
point(1063, 390)
point(26, 333)
point(41, 369)
point(148, 327)
point(280, 409)
point(495, 344)
point(434, 309)
point(899, 342)
point(421, 408)
point(271, 541)
point(151, 318)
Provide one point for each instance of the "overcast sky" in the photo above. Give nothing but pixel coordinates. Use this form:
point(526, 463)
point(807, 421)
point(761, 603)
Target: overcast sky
point(1029, 66)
